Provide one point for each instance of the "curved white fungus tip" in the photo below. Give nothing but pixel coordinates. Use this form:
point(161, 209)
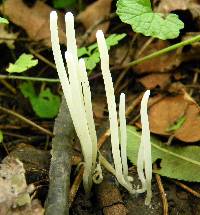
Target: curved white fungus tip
point(146, 95)
point(53, 15)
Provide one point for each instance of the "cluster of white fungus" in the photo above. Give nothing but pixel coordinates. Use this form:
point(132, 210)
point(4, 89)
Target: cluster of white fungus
point(77, 93)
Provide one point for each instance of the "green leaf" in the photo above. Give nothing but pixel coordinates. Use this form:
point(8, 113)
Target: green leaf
point(179, 162)
point(3, 21)
point(23, 63)
point(91, 53)
point(140, 16)
point(91, 61)
point(178, 124)
point(64, 4)
point(1, 136)
point(82, 51)
point(27, 90)
point(45, 105)
point(114, 39)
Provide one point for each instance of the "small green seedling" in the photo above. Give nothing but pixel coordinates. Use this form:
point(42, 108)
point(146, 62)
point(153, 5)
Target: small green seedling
point(23, 63)
point(45, 105)
point(91, 53)
point(140, 16)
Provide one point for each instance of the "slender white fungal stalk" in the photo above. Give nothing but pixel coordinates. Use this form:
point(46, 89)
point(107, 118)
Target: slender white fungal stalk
point(72, 87)
point(88, 107)
point(144, 163)
point(112, 109)
point(70, 34)
point(123, 135)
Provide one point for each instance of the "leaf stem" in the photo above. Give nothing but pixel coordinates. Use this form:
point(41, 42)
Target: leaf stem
point(163, 51)
point(52, 80)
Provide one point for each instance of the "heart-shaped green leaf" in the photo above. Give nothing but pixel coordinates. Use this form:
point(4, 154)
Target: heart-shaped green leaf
point(139, 14)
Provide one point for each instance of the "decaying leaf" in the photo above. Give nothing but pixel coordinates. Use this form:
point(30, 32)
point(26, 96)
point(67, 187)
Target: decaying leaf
point(14, 192)
point(156, 79)
point(163, 63)
point(34, 20)
point(93, 13)
point(167, 111)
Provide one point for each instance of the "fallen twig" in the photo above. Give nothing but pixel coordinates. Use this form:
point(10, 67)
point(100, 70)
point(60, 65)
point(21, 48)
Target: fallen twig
point(60, 168)
point(28, 121)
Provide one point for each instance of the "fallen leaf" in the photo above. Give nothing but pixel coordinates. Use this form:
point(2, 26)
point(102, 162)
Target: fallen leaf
point(177, 162)
point(7, 37)
point(153, 80)
point(92, 14)
point(167, 6)
point(99, 104)
point(34, 20)
point(14, 192)
point(167, 111)
point(163, 63)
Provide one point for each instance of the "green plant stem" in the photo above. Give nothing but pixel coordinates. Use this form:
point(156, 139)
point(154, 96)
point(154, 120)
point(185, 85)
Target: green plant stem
point(163, 51)
point(52, 80)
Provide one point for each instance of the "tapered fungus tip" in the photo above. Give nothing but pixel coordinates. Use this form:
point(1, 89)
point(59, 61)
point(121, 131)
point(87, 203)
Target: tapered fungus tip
point(69, 17)
point(147, 93)
point(99, 33)
point(68, 56)
point(53, 15)
point(82, 62)
point(122, 95)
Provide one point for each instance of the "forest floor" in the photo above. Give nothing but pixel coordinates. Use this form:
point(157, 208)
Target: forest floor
point(31, 96)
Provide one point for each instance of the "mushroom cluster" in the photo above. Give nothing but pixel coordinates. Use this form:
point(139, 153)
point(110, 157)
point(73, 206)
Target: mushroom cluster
point(77, 93)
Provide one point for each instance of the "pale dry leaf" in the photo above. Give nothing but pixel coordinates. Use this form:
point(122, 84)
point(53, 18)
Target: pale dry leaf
point(92, 14)
point(156, 79)
point(14, 192)
point(169, 110)
point(34, 20)
point(166, 6)
point(7, 37)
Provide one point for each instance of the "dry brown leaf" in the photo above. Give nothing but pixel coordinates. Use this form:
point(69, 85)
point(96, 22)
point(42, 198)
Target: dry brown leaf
point(34, 20)
point(167, 6)
point(153, 80)
point(99, 104)
point(163, 63)
point(164, 113)
point(92, 14)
